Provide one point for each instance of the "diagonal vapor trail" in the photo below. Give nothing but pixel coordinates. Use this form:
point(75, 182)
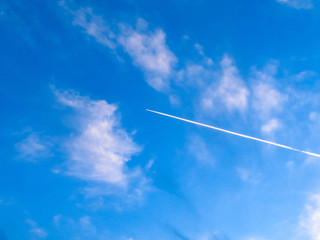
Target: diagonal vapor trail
point(237, 134)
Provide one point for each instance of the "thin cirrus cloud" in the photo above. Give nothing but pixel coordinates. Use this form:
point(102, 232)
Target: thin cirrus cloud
point(248, 175)
point(83, 227)
point(32, 148)
point(94, 26)
point(314, 117)
point(298, 4)
point(148, 49)
point(35, 231)
point(194, 75)
point(100, 147)
point(199, 149)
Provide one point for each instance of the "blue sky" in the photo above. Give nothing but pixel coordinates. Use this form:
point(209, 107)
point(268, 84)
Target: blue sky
point(82, 159)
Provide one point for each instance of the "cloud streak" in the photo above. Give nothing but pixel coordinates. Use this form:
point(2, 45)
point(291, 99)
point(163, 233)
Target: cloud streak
point(237, 134)
point(32, 148)
point(35, 231)
point(298, 4)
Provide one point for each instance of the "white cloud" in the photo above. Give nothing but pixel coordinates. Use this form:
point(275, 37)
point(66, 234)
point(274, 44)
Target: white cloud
point(94, 26)
point(290, 165)
point(271, 126)
point(86, 224)
point(310, 219)
point(57, 219)
point(212, 236)
point(80, 228)
point(314, 117)
point(35, 231)
point(198, 148)
point(150, 52)
point(148, 49)
point(302, 76)
point(267, 101)
point(32, 148)
point(231, 91)
point(199, 48)
point(298, 4)
point(99, 150)
point(253, 238)
point(247, 175)
point(194, 75)
point(6, 202)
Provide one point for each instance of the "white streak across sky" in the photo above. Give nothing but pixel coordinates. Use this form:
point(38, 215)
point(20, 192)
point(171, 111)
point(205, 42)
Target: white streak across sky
point(237, 134)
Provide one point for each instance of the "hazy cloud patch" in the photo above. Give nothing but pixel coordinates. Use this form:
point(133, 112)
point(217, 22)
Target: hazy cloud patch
point(298, 4)
point(230, 91)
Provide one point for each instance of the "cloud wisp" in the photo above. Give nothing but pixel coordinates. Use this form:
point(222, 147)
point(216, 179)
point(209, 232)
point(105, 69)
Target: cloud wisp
point(148, 49)
point(298, 4)
point(231, 91)
point(35, 231)
point(32, 148)
point(237, 134)
point(150, 53)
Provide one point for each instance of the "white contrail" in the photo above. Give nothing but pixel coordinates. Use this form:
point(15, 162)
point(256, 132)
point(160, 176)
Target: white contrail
point(238, 134)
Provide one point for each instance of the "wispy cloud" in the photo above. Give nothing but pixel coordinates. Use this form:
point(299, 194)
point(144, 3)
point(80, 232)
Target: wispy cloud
point(94, 26)
point(267, 100)
point(148, 49)
point(149, 52)
point(35, 231)
point(100, 147)
point(80, 228)
point(6, 202)
point(199, 48)
point(231, 90)
point(213, 236)
point(298, 4)
point(195, 75)
point(302, 76)
point(32, 148)
point(248, 175)
point(198, 148)
point(271, 126)
point(314, 117)
point(309, 220)
point(254, 238)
